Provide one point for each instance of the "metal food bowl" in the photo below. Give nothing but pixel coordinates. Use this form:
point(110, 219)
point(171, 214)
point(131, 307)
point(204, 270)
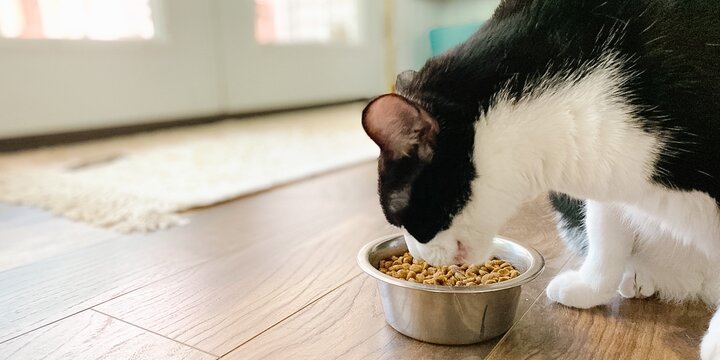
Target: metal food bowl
point(450, 315)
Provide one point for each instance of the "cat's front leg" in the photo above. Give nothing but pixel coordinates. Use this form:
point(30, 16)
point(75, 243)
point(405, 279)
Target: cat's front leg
point(610, 244)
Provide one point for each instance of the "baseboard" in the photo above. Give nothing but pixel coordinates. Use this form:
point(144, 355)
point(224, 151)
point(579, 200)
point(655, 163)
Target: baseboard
point(36, 141)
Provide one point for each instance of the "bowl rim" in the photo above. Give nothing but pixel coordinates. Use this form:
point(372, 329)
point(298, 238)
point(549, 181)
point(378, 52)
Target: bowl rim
point(534, 270)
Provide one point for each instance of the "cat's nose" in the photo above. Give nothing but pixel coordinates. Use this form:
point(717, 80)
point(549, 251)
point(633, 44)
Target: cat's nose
point(461, 253)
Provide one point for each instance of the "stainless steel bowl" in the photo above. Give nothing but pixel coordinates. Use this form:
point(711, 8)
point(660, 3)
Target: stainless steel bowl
point(445, 314)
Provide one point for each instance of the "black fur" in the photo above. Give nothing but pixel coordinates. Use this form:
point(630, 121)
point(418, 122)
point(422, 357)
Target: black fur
point(572, 211)
point(670, 48)
point(440, 188)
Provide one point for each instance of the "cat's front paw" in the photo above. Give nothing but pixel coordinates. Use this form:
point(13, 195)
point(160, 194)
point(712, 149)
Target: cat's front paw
point(635, 284)
point(710, 346)
point(570, 289)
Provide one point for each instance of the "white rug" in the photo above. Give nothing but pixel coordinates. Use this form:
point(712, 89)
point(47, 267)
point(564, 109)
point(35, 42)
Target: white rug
point(142, 182)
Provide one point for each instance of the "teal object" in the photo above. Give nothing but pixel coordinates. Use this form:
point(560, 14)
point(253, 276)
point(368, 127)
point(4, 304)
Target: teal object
point(444, 38)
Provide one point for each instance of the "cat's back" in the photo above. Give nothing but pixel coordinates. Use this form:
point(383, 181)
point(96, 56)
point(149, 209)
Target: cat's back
point(669, 54)
point(686, 33)
point(683, 28)
point(672, 56)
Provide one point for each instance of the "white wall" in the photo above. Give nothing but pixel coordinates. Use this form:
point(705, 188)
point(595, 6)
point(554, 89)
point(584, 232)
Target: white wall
point(207, 63)
point(259, 77)
point(53, 86)
point(457, 12)
point(415, 19)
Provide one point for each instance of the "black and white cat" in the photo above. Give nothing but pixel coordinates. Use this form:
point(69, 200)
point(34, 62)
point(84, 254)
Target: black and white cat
point(611, 106)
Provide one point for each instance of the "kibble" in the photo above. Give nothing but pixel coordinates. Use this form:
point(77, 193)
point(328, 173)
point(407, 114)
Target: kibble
point(414, 270)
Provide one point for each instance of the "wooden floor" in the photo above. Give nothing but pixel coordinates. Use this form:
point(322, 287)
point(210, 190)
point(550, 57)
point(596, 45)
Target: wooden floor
point(274, 276)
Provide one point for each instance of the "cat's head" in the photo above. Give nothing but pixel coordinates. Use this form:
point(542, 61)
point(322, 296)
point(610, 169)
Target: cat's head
point(426, 132)
point(425, 174)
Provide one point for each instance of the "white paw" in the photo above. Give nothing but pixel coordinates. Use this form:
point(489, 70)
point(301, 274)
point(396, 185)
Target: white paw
point(570, 289)
point(636, 285)
point(710, 347)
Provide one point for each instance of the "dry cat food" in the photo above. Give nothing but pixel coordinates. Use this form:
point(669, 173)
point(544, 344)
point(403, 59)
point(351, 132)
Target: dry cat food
point(414, 270)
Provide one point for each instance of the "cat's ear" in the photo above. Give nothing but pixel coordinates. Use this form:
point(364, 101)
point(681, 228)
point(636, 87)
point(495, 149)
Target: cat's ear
point(400, 127)
point(403, 80)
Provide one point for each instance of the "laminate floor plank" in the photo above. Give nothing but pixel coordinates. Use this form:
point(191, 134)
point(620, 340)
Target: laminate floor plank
point(624, 329)
point(92, 335)
point(31, 235)
point(225, 302)
point(349, 322)
point(42, 292)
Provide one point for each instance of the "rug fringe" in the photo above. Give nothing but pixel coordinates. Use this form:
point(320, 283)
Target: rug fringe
point(88, 203)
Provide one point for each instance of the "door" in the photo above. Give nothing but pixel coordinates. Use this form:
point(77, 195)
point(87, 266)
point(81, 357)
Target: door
point(279, 53)
point(76, 64)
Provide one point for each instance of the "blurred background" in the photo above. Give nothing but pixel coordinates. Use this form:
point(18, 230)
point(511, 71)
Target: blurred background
point(127, 114)
point(71, 65)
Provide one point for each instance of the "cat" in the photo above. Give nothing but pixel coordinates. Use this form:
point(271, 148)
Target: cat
point(611, 107)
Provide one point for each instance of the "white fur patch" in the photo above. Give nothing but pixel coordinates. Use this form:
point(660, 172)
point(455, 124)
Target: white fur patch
point(436, 251)
point(399, 199)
